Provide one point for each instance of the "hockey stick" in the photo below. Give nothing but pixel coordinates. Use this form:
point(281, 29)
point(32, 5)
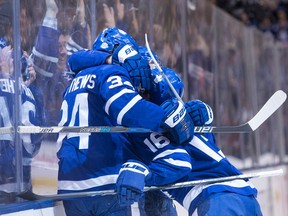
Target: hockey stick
point(162, 72)
point(274, 102)
point(29, 195)
point(267, 110)
point(78, 129)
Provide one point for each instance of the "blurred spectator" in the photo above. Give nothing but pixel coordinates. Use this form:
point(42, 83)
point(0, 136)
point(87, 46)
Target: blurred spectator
point(31, 112)
point(121, 15)
point(280, 28)
point(50, 58)
point(267, 16)
point(27, 22)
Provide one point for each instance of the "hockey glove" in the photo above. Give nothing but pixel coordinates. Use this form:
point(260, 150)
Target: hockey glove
point(200, 113)
point(177, 122)
point(131, 181)
point(128, 57)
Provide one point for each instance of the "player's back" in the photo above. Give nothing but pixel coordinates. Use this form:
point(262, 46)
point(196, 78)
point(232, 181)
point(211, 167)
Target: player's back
point(92, 99)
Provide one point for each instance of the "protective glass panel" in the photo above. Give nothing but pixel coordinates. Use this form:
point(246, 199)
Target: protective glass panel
point(232, 67)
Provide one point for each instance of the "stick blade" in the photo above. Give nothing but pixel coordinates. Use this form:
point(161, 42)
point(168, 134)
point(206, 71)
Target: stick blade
point(273, 104)
point(29, 195)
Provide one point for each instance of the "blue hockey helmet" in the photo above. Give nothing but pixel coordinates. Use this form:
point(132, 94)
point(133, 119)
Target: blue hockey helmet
point(110, 37)
point(161, 91)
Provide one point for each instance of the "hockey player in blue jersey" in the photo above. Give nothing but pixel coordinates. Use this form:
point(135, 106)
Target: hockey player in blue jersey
point(237, 197)
point(134, 187)
point(109, 95)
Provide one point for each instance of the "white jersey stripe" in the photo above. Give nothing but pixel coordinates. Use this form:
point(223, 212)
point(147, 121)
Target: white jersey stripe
point(178, 163)
point(197, 143)
point(88, 183)
point(127, 108)
point(169, 152)
point(195, 191)
point(135, 211)
point(116, 96)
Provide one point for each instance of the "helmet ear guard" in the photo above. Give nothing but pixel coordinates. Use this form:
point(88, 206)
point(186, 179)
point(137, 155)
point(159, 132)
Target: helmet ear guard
point(110, 38)
point(161, 91)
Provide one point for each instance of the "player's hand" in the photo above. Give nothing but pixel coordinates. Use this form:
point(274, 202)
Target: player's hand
point(177, 122)
point(127, 56)
point(200, 113)
point(131, 181)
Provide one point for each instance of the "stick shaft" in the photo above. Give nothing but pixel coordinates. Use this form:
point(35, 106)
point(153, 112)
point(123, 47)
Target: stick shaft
point(273, 104)
point(161, 71)
point(29, 195)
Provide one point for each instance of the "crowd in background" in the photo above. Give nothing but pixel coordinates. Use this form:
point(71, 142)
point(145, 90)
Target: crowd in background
point(187, 46)
point(268, 16)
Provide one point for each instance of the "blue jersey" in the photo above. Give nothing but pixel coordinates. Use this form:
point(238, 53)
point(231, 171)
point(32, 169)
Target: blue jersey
point(30, 142)
point(167, 162)
point(208, 161)
point(103, 95)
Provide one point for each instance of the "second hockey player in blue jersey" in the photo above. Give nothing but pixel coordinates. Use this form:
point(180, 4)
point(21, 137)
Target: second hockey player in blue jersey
point(237, 197)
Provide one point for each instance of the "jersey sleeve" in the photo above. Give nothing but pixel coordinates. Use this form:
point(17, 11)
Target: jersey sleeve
point(85, 59)
point(45, 52)
point(31, 115)
point(169, 166)
point(167, 162)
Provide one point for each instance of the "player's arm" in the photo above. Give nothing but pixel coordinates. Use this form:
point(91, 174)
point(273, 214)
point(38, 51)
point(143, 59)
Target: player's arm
point(160, 164)
point(83, 59)
point(129, 109)
point(167, 161)
point(134, 176)
point(125, 55)
point(124, 104)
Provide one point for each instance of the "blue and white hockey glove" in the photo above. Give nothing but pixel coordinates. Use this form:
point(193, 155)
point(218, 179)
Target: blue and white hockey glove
point(131, 181)
point(177, 122)
point(128, 57)
point(200, 113)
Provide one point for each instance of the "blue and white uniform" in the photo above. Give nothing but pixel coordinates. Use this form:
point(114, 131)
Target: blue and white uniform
point(109, 99)
point(103, 95)
point(208, 161)
point(30, 142)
